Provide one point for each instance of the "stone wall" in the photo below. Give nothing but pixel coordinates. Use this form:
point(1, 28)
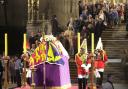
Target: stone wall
point(62, 8)
point(16, 13)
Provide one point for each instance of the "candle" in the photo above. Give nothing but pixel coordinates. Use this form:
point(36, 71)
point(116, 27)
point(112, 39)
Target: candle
point(92, 42)
point(6, 44)
point(24, 44)
point(78, 38)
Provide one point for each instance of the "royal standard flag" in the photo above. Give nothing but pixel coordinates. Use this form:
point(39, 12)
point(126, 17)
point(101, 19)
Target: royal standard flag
point(38, 56)
point(46, 52)
point(54, 55)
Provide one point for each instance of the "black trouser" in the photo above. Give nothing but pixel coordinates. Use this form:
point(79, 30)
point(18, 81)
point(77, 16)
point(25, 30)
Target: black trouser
point(0, 82)
point(99, 80)
point(29, 81)
point(13, 79)
point(82, 83)
point(18, 78)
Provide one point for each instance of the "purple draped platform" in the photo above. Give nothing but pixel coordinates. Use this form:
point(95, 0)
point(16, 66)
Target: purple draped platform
point(56, 75)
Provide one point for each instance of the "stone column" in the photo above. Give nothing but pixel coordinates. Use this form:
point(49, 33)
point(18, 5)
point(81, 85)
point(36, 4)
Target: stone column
point(65, 9)
point(124, 1)
point(35, 7)
point(68, 8)
point(113, 1)
point(29, 10)
point(93, 1)
point(33, 10)
point(101, 1)
point(76, 9)
point(24, 81)
point(85, 2)
point(34, 24)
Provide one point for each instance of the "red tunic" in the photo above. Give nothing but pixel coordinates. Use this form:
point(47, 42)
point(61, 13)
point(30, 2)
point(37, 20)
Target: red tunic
point(100, 63)
point(81, 70)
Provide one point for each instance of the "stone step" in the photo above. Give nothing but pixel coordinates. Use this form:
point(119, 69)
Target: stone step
point(114, 56)
point(114, 31)
point(112, 34)
point(114, 47)
point(121, 27)
point(116, 71)
point(115, 38)
point(119, 41)
point(115, 43)
point(113, 52)
point(116, 61)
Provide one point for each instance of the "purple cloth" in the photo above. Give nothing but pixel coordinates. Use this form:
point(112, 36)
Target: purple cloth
point(56, 75)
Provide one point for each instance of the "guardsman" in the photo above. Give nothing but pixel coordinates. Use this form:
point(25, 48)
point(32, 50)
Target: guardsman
point(100, 60)
point(83, 66)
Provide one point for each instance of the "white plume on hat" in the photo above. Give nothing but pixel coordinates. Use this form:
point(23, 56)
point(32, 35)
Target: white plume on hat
point(99, 44)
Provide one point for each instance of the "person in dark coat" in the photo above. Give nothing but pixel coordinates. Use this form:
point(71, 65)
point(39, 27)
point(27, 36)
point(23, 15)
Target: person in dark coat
point(55, 27)
point(31, 39)
point(80, 7)
point(12, 70)
point(108, 84)
point(18, 71)
point(99, 27)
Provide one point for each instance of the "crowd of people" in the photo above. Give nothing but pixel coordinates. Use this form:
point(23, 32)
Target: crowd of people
point(14, 70)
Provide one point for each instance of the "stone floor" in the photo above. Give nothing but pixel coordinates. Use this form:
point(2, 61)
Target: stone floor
point(121, 86)
point(74, 86)
point(116, 86)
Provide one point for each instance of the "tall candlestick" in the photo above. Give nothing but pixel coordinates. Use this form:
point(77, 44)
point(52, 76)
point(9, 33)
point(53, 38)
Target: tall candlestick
point(24, 45)
point(92, 42)
point(92, 64)
point(6, 61)
point(78, 38)
point(6, 44)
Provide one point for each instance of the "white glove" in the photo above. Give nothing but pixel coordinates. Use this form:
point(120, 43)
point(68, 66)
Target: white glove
point(87, 67)
point(83, 65)
point(97, 74)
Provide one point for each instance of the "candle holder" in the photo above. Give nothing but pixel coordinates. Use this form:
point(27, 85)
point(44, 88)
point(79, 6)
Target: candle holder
point(24, 82)
point(92, 86)
point(33, 82)
point(6, 58)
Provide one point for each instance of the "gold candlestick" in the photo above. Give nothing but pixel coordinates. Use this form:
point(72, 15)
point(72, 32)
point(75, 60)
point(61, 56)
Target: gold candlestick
point(25, 57)
point(78, 42)
point(92, 86)
point(24, 43)
point(6, 58)
point(24, 71)
point(6, 44)
point(33, 74)
point(6, 61)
